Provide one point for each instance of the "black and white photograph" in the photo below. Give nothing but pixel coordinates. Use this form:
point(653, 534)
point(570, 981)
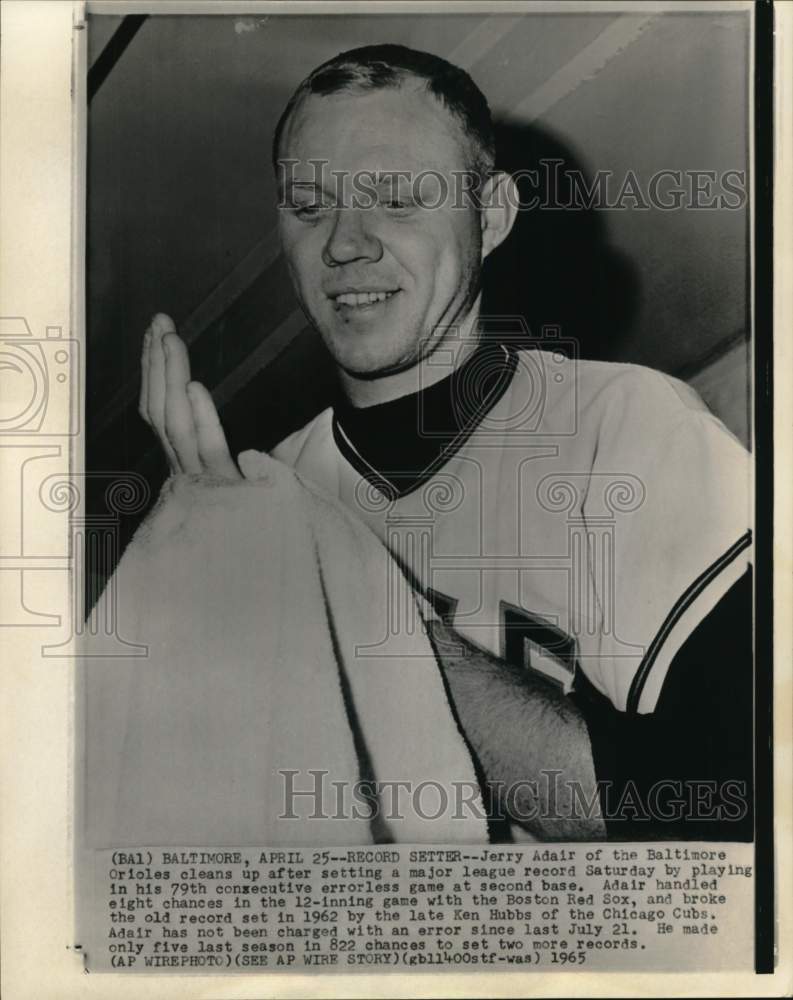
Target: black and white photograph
point(451, 380)
point(419, 490)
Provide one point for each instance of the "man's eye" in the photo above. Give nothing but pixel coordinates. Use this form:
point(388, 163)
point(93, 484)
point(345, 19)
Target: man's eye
point(311, 211)
point(397, 205)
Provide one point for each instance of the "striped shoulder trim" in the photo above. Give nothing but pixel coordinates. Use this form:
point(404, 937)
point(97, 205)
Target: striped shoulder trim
point(684, 602)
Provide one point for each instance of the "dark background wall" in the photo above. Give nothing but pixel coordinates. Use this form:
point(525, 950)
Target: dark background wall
point(181, 214)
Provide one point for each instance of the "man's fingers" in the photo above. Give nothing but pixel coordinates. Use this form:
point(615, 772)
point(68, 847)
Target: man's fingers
point(161, 324)
point(152, 388)
point(159, 409)
point(181, 412)
point(180, 430)
point(143, 402)
point(177, 360)
point(213, 451)
point(155, 400)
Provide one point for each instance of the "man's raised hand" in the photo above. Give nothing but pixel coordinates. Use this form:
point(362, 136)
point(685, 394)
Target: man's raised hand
point(180, 412)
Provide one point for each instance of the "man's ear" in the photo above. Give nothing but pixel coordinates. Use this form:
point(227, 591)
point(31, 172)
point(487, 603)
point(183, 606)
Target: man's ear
point(499, 202)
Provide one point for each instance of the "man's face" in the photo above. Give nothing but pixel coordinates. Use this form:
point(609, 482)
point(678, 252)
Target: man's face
point(381, 284)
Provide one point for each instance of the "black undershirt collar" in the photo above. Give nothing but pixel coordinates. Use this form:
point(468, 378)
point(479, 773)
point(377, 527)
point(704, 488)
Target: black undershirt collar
point(400, 444)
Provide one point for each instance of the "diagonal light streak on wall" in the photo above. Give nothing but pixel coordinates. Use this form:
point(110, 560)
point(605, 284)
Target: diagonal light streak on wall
point(485, 36)
point(583, 67)
point(252, 266)
point(261, 257)
point(263, 354)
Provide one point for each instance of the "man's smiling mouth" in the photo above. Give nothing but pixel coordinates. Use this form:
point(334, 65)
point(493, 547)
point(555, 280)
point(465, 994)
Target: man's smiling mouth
point(358, 300)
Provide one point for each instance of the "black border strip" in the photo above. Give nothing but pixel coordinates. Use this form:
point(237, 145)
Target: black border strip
point(113, 51)
point(763, 187)
point(683, 602)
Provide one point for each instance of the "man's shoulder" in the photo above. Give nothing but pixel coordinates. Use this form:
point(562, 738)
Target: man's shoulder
point(607, 384)
point(605, 399)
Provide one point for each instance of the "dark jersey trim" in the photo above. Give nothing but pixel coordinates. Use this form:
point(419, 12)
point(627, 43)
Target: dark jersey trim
point(359, 463)
point(684, 602)
point(416, 478)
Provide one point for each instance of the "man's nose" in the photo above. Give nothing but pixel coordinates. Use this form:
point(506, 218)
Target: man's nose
point(351, 238)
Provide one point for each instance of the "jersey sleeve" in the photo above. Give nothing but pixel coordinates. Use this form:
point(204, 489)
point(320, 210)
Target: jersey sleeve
point(684, 771)
point(667, 516)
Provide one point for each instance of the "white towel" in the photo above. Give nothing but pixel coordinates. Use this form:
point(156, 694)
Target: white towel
point(254, 599)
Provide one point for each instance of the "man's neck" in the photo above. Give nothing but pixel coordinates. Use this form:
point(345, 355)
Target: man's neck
point(450, 352)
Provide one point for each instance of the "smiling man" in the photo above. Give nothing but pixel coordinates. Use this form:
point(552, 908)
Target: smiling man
point(388, 280)
point(579, 532)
